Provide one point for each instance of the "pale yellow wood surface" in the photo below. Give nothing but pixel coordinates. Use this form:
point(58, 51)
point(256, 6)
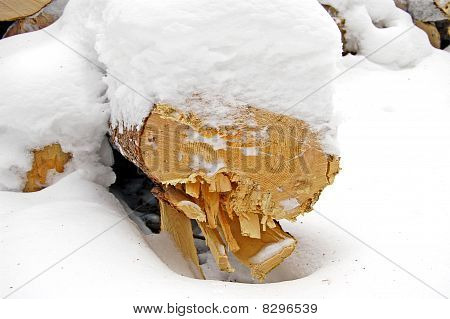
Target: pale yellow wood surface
point(289, 165)
point(11, 10)
point(249, 247)
point(44, 160)
point(217, 247)
point(179, 226)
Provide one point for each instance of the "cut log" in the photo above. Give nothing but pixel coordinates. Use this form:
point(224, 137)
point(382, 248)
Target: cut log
point(234, 180)
point(48, 158)
point(11, 10)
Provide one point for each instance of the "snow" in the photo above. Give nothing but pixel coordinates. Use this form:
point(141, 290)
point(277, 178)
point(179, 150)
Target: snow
point(50, 95)
point(392, 192)
point(289, 204)
point(210, 167)
point(270, 250)
point(56, 8)
point(373, 24)
point(216, 141)
point(250, 151)
point(230, 53)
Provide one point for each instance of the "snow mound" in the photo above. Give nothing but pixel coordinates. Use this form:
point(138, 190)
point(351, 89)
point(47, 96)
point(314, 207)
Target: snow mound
point(382, 32)
point(49, 95)
point(266, 53)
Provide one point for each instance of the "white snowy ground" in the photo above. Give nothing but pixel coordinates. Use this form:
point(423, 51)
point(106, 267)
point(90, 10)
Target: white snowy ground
point(392, 193)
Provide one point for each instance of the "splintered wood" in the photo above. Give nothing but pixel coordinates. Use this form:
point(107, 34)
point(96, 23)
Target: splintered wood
point(235, 181)
point(179, 227)
point(49, 158)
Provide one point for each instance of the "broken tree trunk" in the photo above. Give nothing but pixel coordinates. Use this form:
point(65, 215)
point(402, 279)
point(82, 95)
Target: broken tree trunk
point(235, 180)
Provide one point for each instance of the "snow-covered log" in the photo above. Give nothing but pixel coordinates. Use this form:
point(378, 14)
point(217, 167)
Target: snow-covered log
point(222, 104)
point(227, 122)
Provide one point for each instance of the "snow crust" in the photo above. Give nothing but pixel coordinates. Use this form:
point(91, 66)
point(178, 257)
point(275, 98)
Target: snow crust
point(374, 24)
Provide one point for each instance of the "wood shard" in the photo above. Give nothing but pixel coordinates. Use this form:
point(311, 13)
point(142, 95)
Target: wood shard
point(226, 230)
point(193, 189)
point(180, 228)
point(250, 225)
point(220, 184)
point(44, 160)
point(211, 200)
point(181, 202)
point(217, 247)
point(264, 254)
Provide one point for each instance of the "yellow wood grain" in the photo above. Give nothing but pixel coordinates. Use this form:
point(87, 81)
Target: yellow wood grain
point(11, 10)
point(44, 160)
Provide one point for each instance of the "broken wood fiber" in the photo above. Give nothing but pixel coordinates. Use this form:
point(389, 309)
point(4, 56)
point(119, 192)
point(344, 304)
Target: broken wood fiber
point(237, 181)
